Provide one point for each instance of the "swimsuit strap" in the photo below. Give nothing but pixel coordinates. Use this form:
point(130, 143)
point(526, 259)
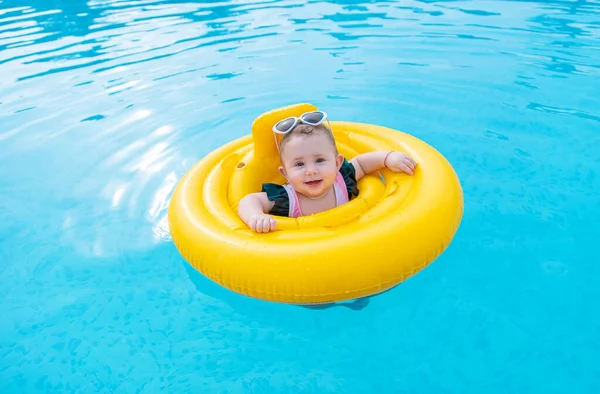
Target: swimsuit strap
point(341, 192)
point(294, 203)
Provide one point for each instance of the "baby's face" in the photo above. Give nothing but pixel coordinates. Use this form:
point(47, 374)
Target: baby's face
point(310, 164)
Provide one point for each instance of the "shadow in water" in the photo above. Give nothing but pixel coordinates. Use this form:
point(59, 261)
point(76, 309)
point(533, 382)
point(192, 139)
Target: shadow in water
point(243, 303)
point(355, 305)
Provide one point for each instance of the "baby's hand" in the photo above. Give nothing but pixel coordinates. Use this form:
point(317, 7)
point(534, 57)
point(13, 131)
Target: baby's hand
point(261, 223)
point(400, 162)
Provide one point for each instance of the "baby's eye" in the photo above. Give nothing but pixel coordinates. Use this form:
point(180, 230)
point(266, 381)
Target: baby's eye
point(299, 164)
point(320, 160)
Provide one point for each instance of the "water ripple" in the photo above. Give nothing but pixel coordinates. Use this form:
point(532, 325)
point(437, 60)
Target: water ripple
point(105, 104)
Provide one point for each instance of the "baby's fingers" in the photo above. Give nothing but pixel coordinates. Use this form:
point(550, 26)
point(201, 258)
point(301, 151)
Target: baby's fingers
point(413, 161)
point(252, 226)
point(407, 169)
point(256, 224)
point(266, 224)
point(410, 164)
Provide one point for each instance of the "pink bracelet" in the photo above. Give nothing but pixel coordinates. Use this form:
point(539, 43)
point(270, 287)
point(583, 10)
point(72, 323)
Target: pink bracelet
point(386, 156)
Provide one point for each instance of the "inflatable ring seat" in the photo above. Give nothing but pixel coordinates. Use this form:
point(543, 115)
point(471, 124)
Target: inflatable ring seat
point(392, 230)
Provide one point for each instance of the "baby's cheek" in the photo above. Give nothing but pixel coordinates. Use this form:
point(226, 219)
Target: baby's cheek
point(297, 180)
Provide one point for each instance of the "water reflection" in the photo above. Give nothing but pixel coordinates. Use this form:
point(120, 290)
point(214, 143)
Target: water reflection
point(104, 106)
point(123, 58)
point(120, 64)
point(98, 24)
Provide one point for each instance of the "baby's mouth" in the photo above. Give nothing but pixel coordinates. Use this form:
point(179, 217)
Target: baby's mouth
point(314, 183)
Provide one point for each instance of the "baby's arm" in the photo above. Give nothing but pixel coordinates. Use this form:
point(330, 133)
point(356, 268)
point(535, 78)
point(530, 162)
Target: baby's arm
point(368, 163)
point(252, 211)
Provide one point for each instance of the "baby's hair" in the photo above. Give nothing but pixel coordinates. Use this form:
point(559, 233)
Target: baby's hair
point(304, 130)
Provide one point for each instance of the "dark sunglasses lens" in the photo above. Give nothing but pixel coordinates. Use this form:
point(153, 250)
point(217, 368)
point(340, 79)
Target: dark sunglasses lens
point(313, 117)
point(285, 125)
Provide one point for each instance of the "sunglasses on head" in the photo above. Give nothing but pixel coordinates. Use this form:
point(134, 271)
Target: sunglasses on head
point(286, 125)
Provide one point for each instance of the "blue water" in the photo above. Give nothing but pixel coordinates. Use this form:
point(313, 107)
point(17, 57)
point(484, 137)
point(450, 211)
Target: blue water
point(105, 104)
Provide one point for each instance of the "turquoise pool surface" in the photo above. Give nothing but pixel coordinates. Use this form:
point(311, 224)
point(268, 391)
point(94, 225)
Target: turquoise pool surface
point(105, 104)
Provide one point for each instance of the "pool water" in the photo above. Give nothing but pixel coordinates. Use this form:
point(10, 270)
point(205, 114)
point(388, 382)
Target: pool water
point(105, 104)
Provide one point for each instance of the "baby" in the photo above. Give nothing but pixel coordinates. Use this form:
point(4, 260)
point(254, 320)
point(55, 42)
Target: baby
point(319, 178)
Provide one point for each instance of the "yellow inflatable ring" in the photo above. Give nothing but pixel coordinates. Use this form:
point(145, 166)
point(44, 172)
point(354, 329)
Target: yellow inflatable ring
point(388, 233)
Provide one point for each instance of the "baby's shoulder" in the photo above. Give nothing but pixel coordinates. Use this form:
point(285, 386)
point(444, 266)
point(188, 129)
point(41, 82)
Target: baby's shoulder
point(274, 191)
point(349, 174)
point(279, 195)
point(347, 168)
